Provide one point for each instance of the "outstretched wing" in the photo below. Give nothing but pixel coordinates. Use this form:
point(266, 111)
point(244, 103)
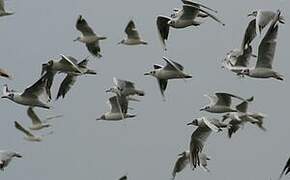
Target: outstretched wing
point(20, 128)
point(163, 29)
point(32, 115)
point(267, 46)
point(83, 27)
point(198, 138)
point(66, 85)
point(131, 30)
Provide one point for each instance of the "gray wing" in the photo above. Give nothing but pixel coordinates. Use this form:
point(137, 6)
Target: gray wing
point(263, 19)
point(66, 85)
point(250, 34)
point(212, 16)
point(189, 12)
point(244, 59)
point(94, 48)
point(198, 138)
point(267, 46)
point(162, 85)
point(69, 61)
point(2, 6)
point(49, 77)
point(172, 65)
point(118, 104)
point(234, 127)
point(180, 164)
point(72, 59)
point(286, 169)
point(83, 63)
point(20, 128)
point(123, 84)
point(131, 30)
point(243, 107)
point(225, 98)
point(36, 89)
point(163, 28)
point(188, 2)
point(83, 27)
point(32, 115)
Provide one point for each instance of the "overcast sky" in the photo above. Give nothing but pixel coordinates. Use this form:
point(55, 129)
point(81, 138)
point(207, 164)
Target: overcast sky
point(145, 147)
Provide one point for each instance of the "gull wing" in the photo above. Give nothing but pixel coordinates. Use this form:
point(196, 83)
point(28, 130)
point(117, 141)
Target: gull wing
point(234, 127)
point(123, 84)
point(188, 2)
point(242, 107)
point(94, 49)
point(83, 63)
point(73, 60)
point(131, 30)
point(180, 164)
point(36, 89)
point(250, 34)
point(286, 169)
point(118, 104)
point(198, 138)
point(189, 12)
point(83, 27)
point(212, 16)
point(162, 85)
point(69, 62)
point(243, 60)
point(32, 115)
point(267, 46)
point(2, 6)
point(210, 125)
point(66, 85)
point(163, 29)
point(263, 18)
point(225, 98)
point(203, 161)
point(20, 128)
point(172, 65)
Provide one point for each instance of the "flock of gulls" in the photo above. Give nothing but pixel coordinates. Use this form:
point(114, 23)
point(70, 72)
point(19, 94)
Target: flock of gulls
point(232, 110)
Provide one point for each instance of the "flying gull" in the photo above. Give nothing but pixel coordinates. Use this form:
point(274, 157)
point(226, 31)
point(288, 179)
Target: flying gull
point(89, 37)
point(172, 70)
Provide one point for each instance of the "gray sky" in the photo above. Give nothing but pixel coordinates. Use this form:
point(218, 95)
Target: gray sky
point(147, 146)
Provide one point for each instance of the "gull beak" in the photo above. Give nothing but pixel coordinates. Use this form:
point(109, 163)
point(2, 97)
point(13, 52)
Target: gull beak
point(108, 90)
point(145, 74)
point(75, 39)
point(202, 109)
point(190, 124)
point(251, 14)
point(18, 155)
point(4, 97)
point(119, 43)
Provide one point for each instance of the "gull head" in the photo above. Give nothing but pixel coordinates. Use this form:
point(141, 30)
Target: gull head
point(77, 39)
point(101, 118)
point(151, 73)
point(8, 96)
point(254, 14)
point(182, 154)
point(17, 155)
point(193, 122)
point(244, 72)
point(121, 42)
point(205, 108)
